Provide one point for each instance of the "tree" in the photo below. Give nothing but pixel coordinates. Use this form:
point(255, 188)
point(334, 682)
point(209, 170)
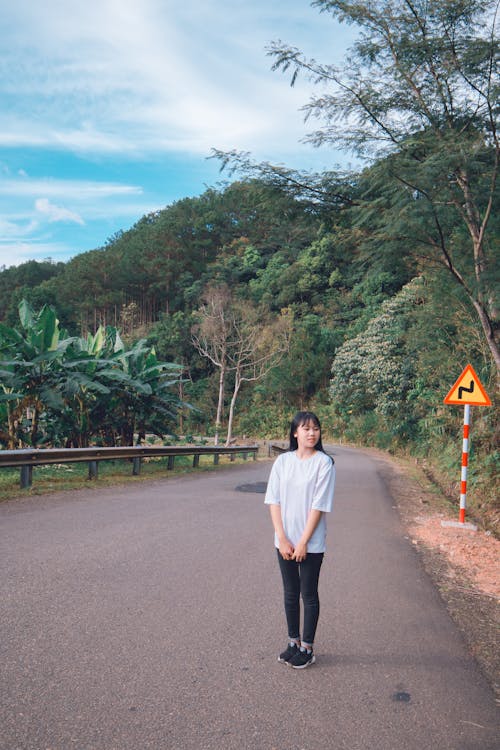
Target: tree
point(211, 338)
point(17, 282)
point(256, 348)
point(419, 93)
point(233, 336)
point(374, 372)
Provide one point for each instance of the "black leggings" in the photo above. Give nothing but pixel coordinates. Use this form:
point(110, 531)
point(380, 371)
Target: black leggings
point(301, 578)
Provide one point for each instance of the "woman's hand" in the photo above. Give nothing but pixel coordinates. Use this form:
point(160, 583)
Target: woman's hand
point(300, 552)
point(313, 520)
point(286, 549)
point(285, 545)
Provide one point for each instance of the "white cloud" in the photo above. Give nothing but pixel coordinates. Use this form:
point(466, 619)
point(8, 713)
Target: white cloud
point(56, 213)
point(31, 225)
point(15, 229)
point(14, 253)
point(77, 190)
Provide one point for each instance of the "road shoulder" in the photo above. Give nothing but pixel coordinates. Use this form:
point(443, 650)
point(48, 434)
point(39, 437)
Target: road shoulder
point(463, 564)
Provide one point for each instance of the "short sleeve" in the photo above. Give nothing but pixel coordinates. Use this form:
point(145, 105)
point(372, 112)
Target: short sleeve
point(273, 485)
point(324, 488)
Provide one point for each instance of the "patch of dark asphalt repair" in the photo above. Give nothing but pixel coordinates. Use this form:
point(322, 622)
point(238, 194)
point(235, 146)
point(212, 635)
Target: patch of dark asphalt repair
point(259, 487)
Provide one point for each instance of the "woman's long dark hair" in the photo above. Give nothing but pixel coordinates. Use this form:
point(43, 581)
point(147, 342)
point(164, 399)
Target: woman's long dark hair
point(303, 417)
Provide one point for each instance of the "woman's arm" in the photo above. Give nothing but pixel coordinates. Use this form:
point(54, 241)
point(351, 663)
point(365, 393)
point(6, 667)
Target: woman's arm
point(313, 519)
point(285, 546)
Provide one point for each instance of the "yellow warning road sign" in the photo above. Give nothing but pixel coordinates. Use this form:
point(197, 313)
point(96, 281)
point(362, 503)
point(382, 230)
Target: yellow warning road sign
point(468, 390)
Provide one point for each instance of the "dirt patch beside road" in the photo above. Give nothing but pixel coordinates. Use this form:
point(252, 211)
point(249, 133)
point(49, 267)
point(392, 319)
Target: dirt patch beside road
point(464, 564)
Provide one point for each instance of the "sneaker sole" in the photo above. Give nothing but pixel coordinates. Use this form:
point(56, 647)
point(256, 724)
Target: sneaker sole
point(303, 666)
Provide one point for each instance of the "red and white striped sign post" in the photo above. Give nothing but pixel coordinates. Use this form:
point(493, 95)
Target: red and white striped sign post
point(465, 464)
point(467, 391)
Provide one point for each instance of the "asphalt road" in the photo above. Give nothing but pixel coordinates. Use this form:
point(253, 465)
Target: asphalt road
point(150, 616)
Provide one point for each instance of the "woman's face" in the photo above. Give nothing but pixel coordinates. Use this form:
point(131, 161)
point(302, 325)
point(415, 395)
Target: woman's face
point(307, 434)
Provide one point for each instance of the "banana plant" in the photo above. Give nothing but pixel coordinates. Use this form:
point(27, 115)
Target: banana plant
point(143, 397)
point(80, 389)
point(31, 365)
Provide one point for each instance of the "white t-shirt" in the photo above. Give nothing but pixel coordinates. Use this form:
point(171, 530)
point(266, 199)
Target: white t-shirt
point(299, 486)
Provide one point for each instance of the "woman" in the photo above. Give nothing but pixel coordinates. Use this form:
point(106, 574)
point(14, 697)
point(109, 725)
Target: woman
point(299, 493)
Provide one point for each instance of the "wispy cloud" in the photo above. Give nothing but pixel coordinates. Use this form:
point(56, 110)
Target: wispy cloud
point(56, 213)
point(16, 229)
point(78, 190)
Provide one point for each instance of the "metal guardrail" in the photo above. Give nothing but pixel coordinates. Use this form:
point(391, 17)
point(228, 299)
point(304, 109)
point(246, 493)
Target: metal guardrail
point(277, 448)
point(26, 459)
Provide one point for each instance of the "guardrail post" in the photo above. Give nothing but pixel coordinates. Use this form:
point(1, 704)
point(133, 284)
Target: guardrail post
point(196, 460)
point(232, 456)
point(245, 454)
point(170, 464)
point(136, 466)
point(255, 455)
point(93, 470)
point(26, 478)
point(216, 459)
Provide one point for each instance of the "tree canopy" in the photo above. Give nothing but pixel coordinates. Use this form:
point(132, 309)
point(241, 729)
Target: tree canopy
point(417, 98)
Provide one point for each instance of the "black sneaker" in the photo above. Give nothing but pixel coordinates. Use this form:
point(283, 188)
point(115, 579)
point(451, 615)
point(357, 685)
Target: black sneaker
point(302, 659)
point(289, 653)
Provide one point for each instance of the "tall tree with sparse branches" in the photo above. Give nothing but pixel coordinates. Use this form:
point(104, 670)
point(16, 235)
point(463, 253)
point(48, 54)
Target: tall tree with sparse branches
point(256, 347)
point(233, 335)
point(211, 337)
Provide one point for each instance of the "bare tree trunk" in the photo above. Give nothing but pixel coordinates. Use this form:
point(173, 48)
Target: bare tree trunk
point(237, 385)
point(489, 334)
point(220, 404)
point(181, 415)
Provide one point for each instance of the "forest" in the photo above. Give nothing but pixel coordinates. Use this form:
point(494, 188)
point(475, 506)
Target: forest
point(361, 295)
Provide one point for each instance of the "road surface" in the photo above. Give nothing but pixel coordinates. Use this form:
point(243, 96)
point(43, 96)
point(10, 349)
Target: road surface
point(149, 616)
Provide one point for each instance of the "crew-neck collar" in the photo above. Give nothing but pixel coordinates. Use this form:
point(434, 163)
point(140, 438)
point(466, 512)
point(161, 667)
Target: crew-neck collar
point(305, 458)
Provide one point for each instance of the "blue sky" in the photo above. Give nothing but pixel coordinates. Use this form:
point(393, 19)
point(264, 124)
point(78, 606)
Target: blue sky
point(109, 108)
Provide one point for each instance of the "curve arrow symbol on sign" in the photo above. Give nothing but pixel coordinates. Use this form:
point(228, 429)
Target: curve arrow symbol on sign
point(463, 389)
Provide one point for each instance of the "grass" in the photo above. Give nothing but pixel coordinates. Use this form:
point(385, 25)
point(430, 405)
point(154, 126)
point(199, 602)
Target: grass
point(74, 476)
